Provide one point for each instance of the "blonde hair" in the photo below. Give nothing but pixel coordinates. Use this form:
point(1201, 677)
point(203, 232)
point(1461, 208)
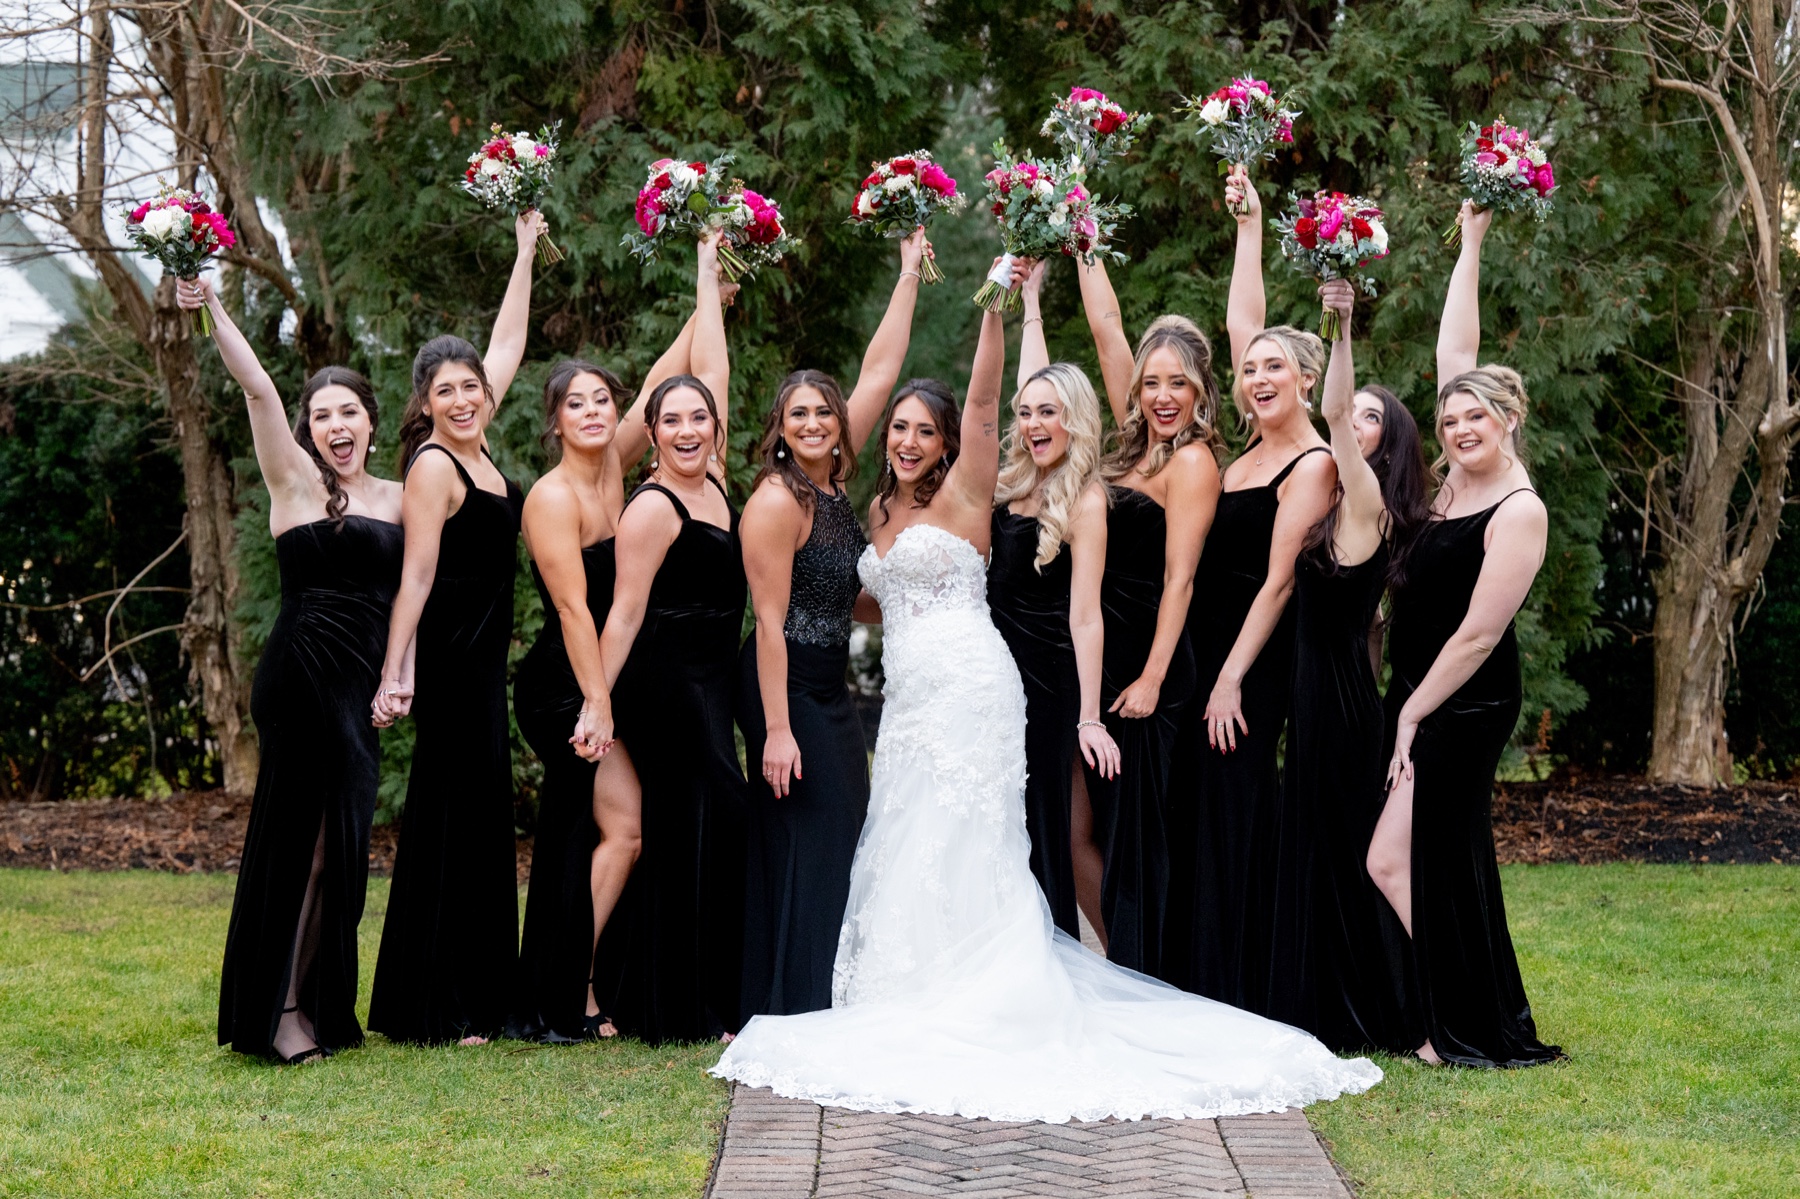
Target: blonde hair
point(1061, 489)
point(1132, 443)
point(1305, 355)
point(1498, 389)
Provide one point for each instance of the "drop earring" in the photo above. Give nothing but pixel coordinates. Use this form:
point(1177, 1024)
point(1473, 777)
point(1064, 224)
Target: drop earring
point(780, 451)
point(834, 451)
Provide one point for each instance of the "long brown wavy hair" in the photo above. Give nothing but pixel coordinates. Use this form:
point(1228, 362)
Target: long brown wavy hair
point(336, 499)
point(775, 457)
point(415, 422)
point(941, 401)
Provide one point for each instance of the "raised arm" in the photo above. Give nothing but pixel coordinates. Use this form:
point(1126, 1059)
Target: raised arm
point(287, 469)
point(977, 467)
point(506, 345)
point(1459, 333)
point(771, 528)
point(711, 361)
point(1362, 504)
point(1193, 497)
point(886, 356)
point(1247, 308)
point(1034, 351)
point(633, 438)
point(425, 504)
point(1108, 328)
point(1087, 564)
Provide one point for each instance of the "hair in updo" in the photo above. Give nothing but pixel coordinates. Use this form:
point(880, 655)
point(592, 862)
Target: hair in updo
point(1500, 390)
point(556, 390)
point(1305, 355)
point(433, 356)
point(1132, 443)
point(775, 457)
point(653, 410)
point(941, 401)
point(336, 498)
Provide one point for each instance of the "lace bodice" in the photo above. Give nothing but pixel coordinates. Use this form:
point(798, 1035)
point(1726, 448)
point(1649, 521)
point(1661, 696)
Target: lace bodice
point(927, 571)
point(825, 575)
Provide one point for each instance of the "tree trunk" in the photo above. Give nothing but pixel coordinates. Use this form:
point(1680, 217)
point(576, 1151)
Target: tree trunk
point(1692, 628)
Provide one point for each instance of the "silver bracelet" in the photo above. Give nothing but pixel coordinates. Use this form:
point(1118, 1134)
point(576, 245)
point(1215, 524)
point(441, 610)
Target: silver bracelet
point(914, 274)
point(1027, 321)
point(1090, 724)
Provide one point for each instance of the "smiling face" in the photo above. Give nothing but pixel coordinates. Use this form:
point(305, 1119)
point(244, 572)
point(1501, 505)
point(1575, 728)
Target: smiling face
point(1039, 424)
point(458, 404)
point(915, 444)
point(1366, 418)
point(341, 429)
point(685, 434)
point(1269, 385)
point(1166, 395)
point(587, 418)
point(811, 429)
point(1472, 436)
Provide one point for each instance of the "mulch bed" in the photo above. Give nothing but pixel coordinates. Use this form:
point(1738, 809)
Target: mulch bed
point(1570, 818)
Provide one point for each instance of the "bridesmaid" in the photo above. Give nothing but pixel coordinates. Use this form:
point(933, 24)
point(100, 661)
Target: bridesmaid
point(668, 967)
point(288, 989)
point(1337, 952)
point(801, 545)
point(450, 944)
point(1277, 489)
point(1162, 475)
point(1048, 553)
point(588, 829)
point(1454, 699)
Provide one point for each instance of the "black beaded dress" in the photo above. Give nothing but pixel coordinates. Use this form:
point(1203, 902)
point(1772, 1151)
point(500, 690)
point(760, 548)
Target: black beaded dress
point(670, 961)
point(450, 946)
point(556, 955)
point(320, 765)
point(1130, 809)
point(802, 844)
point(1471, 998)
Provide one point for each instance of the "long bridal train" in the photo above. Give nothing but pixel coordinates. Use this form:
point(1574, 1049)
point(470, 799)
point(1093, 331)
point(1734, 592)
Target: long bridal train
point(954, 992)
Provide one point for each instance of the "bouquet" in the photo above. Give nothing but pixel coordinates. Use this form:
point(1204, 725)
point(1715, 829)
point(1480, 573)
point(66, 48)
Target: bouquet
point(1245, 121)
point(698, 197)
point(181, 231)
point(903, 193)
point(1043, 209)
point(1094, 129)
point(1505, 170)
point(1333, 236)
point(512, 171)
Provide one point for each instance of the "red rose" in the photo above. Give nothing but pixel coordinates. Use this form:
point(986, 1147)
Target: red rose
point(699, 167)
point(999, 209)
point(1306, 232)
point(661, 182)
point(1361, 228)
point(1111, 121)
point(904, 166)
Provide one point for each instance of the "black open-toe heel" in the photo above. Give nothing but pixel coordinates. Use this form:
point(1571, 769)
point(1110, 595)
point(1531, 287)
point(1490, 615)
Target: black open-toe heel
point(317, 1053)
point(590, 1025)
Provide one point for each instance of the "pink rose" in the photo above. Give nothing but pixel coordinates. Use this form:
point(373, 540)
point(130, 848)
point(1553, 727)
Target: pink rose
point(137, 214)
point(1285, 134)
point(649, 211)
point(1488, 159)
point(1087, 229)
point(543, 151)
point(660, 163)
point(1544, 180)
point(1077, 194)
point(938, 180)
point(1330, 223)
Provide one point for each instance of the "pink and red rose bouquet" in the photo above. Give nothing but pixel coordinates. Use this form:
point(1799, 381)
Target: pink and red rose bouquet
point(513, 171)
point(695, 198)
point(1330, 235)
point(1093, 127)
point(1505, 170)
point(902, 194)
point(180, 231)
point(1043, 208)
point(1245, 120)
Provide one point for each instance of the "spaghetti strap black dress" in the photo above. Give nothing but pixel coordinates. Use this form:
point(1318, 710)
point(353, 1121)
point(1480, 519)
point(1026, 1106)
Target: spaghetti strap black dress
point(802, 844)
point(450, 946)
point(320, 765)
point(1031, 610)
point(670, 961)
point(1338, 953)
point(556, 955)
point(1130, 809)
point(1217, 931)
point(1471, 997)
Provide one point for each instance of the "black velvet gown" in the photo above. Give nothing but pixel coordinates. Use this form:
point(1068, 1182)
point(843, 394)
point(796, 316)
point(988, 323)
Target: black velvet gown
point(1130, 810)
point(556, 956)
point(1217, 933)
point(320, 765)
point(1031, 610)
point(1338, 952)
point(802, 844)
point(670, 961)
point(1471, 999)
point(450, 947)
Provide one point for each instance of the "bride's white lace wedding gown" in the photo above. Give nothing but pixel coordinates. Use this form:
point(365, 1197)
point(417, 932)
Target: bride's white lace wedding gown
point(953, 992)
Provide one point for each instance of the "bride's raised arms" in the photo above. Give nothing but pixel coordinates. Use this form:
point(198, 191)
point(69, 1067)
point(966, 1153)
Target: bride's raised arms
point(977, 467)
point(886, 355)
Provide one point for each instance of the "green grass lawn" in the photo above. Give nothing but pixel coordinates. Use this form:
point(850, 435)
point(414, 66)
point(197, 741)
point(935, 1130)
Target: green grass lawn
point(1675, 991)
point(110, 1084)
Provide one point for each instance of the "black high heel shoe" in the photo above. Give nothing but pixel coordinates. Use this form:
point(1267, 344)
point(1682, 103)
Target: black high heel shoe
point(317, 1053)
point(590, 1025)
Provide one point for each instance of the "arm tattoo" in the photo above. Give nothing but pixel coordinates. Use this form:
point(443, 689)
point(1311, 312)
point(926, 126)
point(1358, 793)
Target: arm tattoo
point(988, 428)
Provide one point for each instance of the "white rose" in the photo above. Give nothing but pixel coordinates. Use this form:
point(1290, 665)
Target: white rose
point(160, 223)
point(1379, 237)
point(863, 204)
point(492, 167)
point(1057, 219)
point(1042, 189)
point(1213, 112)
point(897, 183)
point(524, 147)
point(685, 177)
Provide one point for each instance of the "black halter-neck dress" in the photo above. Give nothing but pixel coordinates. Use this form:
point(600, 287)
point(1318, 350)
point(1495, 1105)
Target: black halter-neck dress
point(802, 844)
point(450, 946)
point(556, 954)
point(320, 765)
point(670, 961)
point(1471, 998)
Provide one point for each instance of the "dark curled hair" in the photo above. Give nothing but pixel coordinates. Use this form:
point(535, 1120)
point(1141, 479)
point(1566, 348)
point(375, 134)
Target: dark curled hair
point(1399, 466)
point(415, 423)
point(336, 499)
point(556, 390)
point(784, 467)
point(653, 409)
point(941, 401)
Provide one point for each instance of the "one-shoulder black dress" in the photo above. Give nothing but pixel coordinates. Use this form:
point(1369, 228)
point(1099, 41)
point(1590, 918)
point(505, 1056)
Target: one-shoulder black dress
point(1338, 952)
point(1471, 998)
point(450, 946)
point(1130, 809)
point(670, 961)
point(802, 844)
point(320, 765)
point(1217, 934)
point(1031, 610)
point(556, 955)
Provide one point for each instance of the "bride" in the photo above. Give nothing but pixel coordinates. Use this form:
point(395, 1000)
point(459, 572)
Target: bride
point(953, 993)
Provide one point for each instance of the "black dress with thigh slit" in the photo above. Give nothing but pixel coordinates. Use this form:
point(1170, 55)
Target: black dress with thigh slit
point(450, 946)
point(802, 844)
point(1031, 610)
point(670, 962)
point(1471, 998)
point(556, 955)
point(320, 765)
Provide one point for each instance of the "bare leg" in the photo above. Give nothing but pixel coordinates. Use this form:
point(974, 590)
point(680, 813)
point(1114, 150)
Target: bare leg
point(1089, 864)
point(1390, 866)
point(295, 1033)
point(618, 810)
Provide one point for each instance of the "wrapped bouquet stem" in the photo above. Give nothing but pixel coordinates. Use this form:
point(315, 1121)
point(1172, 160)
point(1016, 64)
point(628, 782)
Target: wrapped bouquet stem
point(1043, 208)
